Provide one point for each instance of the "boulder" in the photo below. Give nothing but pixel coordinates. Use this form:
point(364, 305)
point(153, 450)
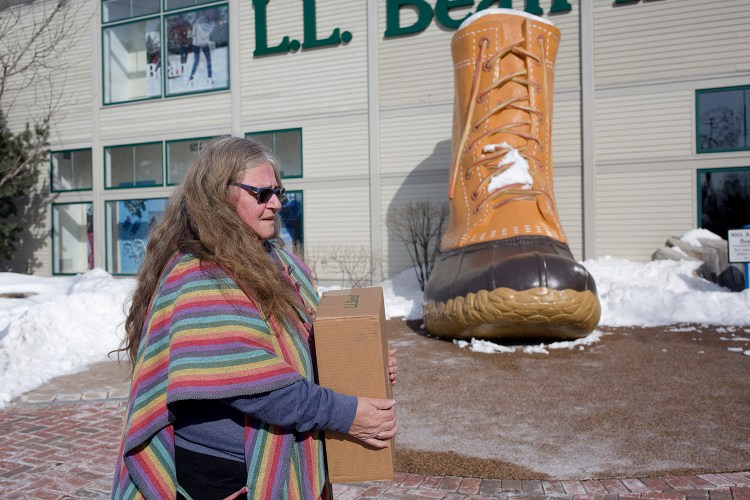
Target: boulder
point(714, 256)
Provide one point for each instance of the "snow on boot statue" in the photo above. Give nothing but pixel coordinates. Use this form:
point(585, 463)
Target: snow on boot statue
point(504, 269)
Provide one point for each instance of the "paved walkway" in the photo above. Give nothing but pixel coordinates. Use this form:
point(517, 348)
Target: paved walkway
point(60, 441)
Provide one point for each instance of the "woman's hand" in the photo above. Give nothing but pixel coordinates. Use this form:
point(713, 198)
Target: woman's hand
point(375, 422)
point(392, 365)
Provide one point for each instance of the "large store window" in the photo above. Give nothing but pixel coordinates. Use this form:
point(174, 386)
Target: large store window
point(292, 223)
point(71, 170)
point(286, 145)
point(723, 119)
point(134, 165)
point(724, 199)
point(179, 155)
point(72, 238)
point(129, 223)
point(151, 52)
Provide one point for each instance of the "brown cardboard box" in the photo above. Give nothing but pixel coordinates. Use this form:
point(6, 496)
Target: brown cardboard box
point(352, 354)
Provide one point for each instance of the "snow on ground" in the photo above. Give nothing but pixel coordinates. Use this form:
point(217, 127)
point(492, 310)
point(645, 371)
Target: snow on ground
point(71, 322)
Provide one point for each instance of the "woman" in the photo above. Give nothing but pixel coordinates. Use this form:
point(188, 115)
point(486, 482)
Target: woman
point(223, 399)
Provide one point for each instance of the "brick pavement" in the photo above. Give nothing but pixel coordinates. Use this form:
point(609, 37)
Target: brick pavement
point(60, 441)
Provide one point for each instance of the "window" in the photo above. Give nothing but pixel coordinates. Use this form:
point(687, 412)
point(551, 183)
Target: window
point(723, 199)
point(179, 155)
point(133, 166)
point(71, 170)
point(723, 117)
point(292, 225)
point(129, 223)
point(132, 54)
point(286, 145)
point(188, 46)
point(72, 238)
point(115, 10)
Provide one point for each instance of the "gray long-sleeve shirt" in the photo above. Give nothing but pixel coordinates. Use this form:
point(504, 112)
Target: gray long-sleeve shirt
point(216, 427)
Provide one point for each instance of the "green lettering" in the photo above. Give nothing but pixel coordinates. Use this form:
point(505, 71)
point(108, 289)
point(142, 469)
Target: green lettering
point(261, 32)
point(532, 7)
point(393, 17)
point(503, 4)
point(442, 8)
point(560, 6)
point(309, 22)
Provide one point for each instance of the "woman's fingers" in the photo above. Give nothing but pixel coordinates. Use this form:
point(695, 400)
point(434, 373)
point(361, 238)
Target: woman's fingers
point(392, 365)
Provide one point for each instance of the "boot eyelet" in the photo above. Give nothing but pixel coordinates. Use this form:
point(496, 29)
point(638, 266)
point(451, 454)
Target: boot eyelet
point(480, 98)
point(487, 67)
point(484, 40)
point(467, 175)
point(474, 196)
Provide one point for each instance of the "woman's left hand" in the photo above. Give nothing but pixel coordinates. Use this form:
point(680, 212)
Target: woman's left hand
point(392, 365)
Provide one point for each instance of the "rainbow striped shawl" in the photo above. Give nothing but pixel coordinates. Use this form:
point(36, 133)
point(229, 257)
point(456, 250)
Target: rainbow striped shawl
point(205, 339)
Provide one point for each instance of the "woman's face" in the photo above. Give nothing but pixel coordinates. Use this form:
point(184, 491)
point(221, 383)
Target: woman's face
point(259, 216)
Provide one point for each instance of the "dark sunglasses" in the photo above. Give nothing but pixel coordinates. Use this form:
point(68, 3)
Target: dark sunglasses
point(261, 194)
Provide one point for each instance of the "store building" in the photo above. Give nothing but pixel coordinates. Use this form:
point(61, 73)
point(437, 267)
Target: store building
point(650, 134)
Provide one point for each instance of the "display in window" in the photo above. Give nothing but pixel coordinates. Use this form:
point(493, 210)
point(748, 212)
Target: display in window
point(723, 119)
point(198, 51)
point(130, 223)
point(291, 220)
point(73, 237)
point(132, 61)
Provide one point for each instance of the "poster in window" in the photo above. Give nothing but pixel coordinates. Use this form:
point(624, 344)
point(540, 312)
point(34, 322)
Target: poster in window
point(134, 220)
point(198, 51)
point(291, 221)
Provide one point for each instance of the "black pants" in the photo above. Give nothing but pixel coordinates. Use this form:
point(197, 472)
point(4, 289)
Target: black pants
point(208, 478)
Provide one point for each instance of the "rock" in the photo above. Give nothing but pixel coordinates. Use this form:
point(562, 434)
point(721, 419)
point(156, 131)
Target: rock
point(733, 278)
point(708, 255)
point(714, 256)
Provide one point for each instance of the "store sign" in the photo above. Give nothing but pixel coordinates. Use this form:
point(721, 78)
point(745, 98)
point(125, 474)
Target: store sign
point(739, 245)
point(443, 12)
point(310, 35)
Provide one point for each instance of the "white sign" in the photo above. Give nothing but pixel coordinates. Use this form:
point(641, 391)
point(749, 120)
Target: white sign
point(739, 245)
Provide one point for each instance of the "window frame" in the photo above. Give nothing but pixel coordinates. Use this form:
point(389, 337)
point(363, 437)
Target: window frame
point(249, 135)
point(104, 165)
point(162, 14)
point(108, 231)
point(699, 188)
point(166, 154)
point(698, 93)
point(301, 194)
point(53, 205)
point(103, 55)
point(52, 174)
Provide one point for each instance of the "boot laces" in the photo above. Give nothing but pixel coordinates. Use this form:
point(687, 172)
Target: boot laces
point(497, 157)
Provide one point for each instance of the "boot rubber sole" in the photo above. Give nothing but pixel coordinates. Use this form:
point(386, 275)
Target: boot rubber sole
point(539, 313)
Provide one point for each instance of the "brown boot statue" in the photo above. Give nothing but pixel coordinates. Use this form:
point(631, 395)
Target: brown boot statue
point(504, 269)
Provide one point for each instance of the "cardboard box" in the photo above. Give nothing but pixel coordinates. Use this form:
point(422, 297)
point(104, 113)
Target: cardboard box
point(352, 355)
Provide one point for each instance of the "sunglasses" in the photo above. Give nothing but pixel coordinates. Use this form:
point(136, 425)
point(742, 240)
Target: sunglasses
point(261, 194)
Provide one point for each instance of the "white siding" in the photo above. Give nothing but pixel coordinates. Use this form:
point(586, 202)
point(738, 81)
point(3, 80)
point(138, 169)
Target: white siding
point(182, 117)
point(644, 125)
point(566, 130)
point(67, 86)
point(652, 41)
point(568, 197)
point(638, 211)
point(394, 195)
point(318, 81)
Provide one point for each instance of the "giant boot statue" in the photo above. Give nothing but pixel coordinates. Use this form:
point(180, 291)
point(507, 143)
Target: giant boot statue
point(504, 269)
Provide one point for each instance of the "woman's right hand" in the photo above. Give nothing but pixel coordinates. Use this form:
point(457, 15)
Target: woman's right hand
point(374, 422)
